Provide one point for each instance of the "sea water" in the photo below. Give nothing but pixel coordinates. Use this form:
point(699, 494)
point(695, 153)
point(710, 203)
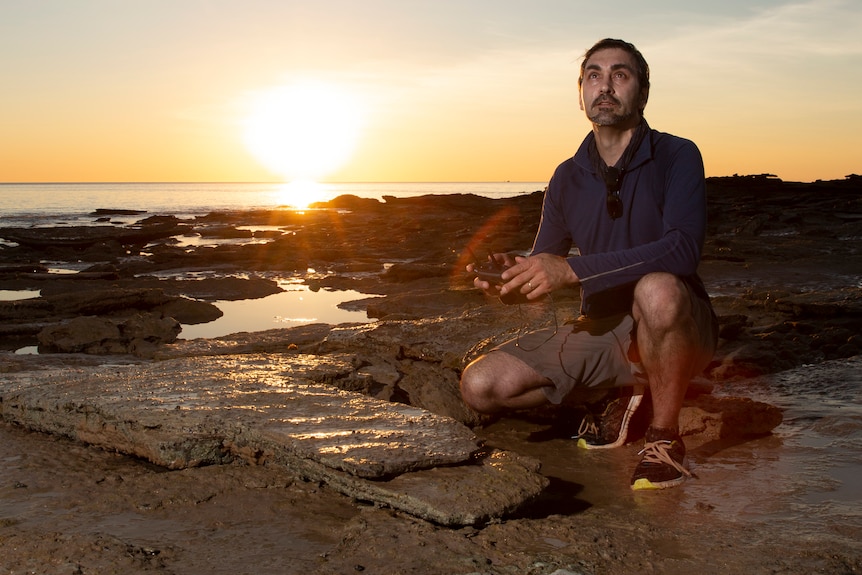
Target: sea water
point(806, 474)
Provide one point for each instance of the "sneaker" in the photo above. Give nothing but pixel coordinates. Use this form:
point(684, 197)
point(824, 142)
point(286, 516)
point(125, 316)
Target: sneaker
point(610, 426)
point(663, 463)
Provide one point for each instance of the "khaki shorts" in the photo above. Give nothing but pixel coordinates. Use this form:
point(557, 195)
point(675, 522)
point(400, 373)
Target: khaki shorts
point(598, 353)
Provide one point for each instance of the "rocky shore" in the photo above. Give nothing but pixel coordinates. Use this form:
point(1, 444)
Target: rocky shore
point(782, 263)
point(779, 258)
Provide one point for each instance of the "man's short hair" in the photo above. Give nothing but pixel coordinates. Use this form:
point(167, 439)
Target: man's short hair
point(608, 43)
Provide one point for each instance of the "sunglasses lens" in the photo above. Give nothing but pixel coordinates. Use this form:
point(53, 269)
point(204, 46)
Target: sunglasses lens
point(613, 183)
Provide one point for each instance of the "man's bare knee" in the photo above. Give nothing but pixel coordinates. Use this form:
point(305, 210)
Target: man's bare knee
point(498, 381)
point(477, 386)
point(661, 300)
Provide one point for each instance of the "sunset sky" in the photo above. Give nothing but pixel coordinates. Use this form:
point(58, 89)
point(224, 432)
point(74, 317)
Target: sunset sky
point(412, 90)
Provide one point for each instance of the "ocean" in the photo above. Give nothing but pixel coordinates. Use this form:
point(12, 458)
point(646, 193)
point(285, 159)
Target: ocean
point(73, 203)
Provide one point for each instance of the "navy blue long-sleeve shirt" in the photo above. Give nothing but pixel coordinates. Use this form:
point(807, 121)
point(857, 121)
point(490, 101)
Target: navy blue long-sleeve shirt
point(662, 227)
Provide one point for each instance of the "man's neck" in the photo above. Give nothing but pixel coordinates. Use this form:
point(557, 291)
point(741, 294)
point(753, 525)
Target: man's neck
point(611, 141)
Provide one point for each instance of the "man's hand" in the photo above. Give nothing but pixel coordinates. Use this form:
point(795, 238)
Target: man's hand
point(503, 260)
point(538, 275)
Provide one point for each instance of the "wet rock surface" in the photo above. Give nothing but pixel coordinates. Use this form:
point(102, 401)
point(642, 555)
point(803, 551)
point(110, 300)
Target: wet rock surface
point(271, 410)
point(782, 264)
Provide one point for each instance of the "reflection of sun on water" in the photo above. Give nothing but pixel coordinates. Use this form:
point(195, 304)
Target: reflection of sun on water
point(302, 193)
point(302, 132)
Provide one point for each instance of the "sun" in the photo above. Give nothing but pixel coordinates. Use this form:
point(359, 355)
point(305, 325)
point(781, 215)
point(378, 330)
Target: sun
point(302, 131)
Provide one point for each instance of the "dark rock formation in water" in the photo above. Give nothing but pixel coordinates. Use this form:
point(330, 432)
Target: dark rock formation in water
point(83, 237)
point(781, 262)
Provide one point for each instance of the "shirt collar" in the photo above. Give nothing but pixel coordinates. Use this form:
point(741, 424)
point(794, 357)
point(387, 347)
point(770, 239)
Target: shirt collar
point(583, 157)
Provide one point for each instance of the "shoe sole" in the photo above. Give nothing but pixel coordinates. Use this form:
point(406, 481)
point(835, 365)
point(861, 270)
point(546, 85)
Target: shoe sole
point(634, 403)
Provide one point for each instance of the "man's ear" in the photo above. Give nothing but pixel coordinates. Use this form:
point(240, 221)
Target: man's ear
point(581, 100)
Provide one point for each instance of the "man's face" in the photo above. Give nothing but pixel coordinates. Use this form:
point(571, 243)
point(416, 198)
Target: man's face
point(610, 92)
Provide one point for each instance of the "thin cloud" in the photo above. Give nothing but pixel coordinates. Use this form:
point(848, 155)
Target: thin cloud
point(814, 28)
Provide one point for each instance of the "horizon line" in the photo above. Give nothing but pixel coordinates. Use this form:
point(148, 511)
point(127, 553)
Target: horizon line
point(276, 182)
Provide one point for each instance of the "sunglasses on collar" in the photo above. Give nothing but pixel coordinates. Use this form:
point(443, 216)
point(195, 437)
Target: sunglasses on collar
point(613, 182)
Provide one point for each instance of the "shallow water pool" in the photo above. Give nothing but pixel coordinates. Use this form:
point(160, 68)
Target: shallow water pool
point(296, 306)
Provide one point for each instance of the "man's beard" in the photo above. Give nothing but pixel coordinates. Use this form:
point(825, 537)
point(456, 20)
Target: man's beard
point(612, 117)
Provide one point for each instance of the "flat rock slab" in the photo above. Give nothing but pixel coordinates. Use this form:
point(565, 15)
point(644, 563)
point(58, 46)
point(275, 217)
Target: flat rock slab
point(276, 409)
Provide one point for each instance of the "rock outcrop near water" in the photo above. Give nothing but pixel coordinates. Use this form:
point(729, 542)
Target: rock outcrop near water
point(782, 263)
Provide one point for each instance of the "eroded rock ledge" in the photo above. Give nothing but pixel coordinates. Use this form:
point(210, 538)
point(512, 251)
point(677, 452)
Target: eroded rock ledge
point(272, 410)
point(317, 401)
